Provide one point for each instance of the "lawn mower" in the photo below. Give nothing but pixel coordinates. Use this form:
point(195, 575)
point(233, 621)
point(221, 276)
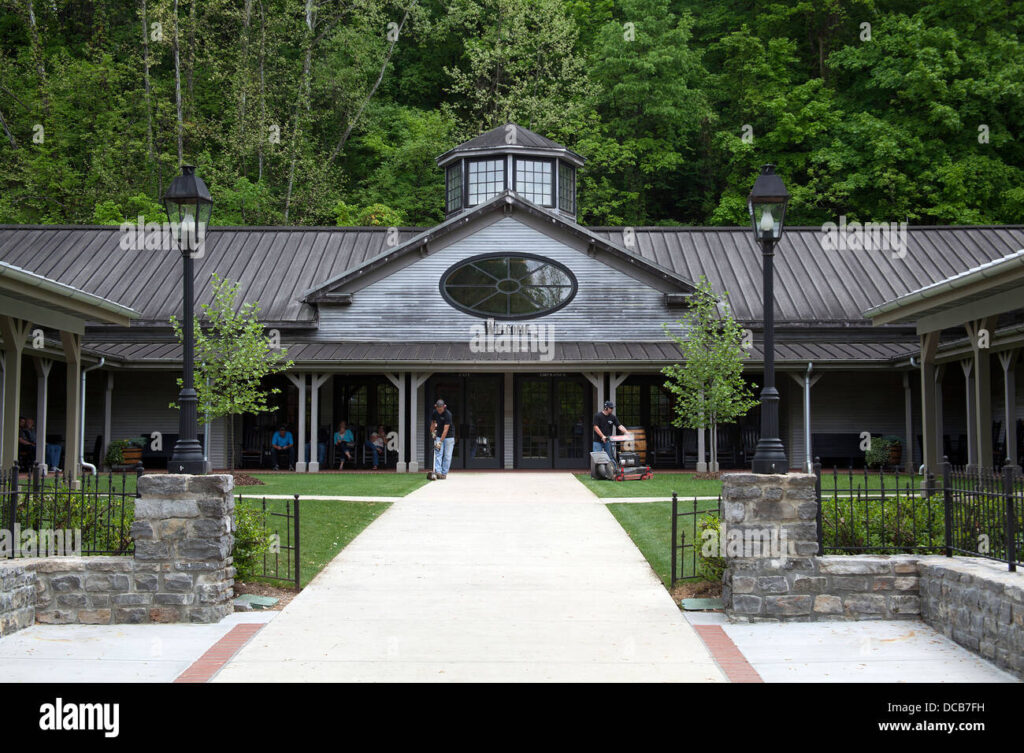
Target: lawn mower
point(624, 468)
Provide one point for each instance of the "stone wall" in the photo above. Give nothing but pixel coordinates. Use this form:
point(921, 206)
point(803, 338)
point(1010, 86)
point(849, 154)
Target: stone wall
point(979, 604)
point(17, 597)
point(976, 602)
point(181, 572)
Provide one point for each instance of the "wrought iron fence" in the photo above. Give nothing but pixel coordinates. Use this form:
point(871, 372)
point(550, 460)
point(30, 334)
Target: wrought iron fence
point(878, 512)
point(44, 516)
point(687, 534)
point(271, 552)
point(983, 509)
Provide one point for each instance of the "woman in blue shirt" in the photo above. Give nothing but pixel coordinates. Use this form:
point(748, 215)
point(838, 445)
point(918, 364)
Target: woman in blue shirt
point(343, 441)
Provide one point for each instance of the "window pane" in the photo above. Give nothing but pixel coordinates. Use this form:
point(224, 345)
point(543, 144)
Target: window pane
point(486, 179)
point(533, 181)
point(453, 187)
point(567, 187)
point(517, 286)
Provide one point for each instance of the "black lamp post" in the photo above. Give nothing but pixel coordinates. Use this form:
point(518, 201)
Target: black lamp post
point(189, 206)
point(767, 205)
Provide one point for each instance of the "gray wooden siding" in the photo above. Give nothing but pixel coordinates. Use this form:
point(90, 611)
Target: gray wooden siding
point(139, 405)
point(408, 306)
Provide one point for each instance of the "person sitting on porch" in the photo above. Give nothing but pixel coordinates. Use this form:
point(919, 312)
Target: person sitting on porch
point(375, 446)
point(26, 443)
point(343, 442)
point(282, 443)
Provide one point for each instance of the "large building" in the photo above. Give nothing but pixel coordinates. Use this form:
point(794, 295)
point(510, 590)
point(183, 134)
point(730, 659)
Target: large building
point(523, 320)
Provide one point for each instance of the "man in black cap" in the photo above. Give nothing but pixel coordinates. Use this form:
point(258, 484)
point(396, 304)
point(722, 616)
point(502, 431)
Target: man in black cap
point(605, 422)
point(442, 431)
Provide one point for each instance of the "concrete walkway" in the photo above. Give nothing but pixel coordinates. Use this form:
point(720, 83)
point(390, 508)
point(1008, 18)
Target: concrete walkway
point(488, 578)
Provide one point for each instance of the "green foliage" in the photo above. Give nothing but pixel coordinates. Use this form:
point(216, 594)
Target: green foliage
point(708, 385)
point(115, 450)
point(101, 513)
point(880, 451)
point(871, 522)
point(707, 565)
point(284, 108)
point(233, 354)
point(252, 541)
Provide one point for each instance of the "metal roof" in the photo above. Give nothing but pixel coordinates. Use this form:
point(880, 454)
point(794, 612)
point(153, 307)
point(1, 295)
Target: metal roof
point(815, 285)
point(277, 265)
point(73, 301)
point(496, 139)
point(634, 354)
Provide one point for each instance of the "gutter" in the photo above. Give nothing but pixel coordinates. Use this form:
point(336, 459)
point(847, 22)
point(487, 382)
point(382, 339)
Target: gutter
point(66, 291)
point(81, 426)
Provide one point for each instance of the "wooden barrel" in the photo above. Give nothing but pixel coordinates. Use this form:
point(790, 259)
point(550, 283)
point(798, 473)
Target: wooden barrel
point(638, 444)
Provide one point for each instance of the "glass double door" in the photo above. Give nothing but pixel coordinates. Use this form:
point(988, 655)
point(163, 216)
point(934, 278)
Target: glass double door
point(475, 403)
point(553, 419)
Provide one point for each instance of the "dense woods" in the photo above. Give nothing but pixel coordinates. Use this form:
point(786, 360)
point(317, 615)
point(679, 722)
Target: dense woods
point(328, 112)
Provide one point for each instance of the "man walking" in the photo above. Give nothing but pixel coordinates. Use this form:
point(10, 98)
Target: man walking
point(605, 423)
point(442, 431)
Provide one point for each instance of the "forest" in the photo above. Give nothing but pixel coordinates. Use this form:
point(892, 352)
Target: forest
point(331, 112)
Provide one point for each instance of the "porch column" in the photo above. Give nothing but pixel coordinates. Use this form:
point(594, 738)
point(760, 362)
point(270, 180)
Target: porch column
point(403, 430)
point(702, 459)
point(596, 378)
point(508, 427)
point(15, 332)
point(908, 422)
point(940, 418)
point(299, 380)
point(417, 430)
point(614, 380)
point(982, 387)
point(931, 424)
point(1008, 360)
point(316, 382)
point(43, 366)
point(806, 381)
point(72, 344)
point(967, 365)
point(108, 403)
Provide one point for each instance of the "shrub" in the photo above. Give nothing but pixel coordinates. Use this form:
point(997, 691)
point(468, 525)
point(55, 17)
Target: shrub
point(878, 453)
point(252, 541)
point(709, 567)
point(104, 517)
point(849, 522)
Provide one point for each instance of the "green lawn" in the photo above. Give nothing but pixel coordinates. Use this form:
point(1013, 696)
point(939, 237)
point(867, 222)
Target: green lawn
point(649, 525)
point(325, 528)
point(336, 484)
point(685, 485)
point(662, 485)
point(325, 484)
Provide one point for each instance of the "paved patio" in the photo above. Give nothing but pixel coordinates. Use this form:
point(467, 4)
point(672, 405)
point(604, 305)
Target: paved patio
point(483, 577)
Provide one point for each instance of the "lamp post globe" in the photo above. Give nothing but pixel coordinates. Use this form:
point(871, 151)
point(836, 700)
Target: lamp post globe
point(767, 206)
point(189, 206)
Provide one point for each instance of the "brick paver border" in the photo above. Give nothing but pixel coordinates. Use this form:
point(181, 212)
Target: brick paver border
point(725, 652)
point(207, 665)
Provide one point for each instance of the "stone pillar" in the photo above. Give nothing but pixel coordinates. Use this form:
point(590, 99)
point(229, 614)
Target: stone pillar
point(183, 542)
point(769, 540)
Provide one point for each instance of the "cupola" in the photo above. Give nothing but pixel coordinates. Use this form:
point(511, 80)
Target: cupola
point(511, 158)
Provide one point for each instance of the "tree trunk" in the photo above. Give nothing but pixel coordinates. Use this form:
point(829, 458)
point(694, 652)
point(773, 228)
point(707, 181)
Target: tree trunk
point(387, 59)
point(7, 131)
point(262, 133)
point(149, 88)
point(177, 89)
point(37, 53)
point(303, 95)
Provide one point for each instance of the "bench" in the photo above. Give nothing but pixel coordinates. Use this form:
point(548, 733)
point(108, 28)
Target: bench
point(838, 450)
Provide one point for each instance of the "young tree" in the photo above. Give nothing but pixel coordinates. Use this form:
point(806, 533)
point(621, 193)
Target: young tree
point(232, 355)
point(708, 385)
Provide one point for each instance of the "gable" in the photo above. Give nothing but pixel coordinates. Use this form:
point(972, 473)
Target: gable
point(613, 302)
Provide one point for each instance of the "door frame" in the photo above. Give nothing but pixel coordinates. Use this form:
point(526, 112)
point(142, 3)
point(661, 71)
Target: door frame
point(553, 459)
point(462, 434)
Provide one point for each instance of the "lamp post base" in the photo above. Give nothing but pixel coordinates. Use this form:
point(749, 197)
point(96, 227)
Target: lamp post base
point(187, 458)
point(770, 456)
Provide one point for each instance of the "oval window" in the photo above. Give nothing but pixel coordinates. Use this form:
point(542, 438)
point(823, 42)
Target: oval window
point(508, 286)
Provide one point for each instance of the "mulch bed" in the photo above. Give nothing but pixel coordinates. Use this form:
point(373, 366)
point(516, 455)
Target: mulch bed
point(698, 589)
point(708, 475)
point(244, 479)
point(263, 589)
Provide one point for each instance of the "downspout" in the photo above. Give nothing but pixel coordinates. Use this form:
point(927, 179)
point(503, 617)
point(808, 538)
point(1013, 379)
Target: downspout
point(81, 424)
point(807, 416)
